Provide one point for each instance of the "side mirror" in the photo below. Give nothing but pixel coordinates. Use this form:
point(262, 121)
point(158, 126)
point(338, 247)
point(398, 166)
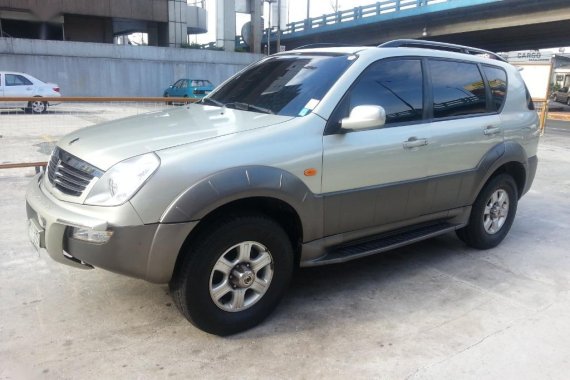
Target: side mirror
point(363, 117)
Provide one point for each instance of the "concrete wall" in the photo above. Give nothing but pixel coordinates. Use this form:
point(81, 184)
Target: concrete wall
point(90, 69)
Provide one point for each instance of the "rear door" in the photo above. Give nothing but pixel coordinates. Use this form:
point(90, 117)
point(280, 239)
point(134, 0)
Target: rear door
point(370, 177)
point(465, 126)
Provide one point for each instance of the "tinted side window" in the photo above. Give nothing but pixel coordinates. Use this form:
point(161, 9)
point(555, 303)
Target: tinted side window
point(396, 85)
point(458, 89)
point(16, 80)
point(497, 80)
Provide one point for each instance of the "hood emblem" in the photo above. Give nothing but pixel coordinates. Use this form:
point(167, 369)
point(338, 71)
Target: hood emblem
point(72, 141)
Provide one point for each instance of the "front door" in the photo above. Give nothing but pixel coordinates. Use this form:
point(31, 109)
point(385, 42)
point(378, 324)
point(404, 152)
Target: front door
point(16, 85)
point(373, 177)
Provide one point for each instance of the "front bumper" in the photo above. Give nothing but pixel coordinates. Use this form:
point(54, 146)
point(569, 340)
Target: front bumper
point(146, 251)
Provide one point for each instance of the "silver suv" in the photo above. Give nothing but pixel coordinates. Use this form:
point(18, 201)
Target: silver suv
point(308, 157)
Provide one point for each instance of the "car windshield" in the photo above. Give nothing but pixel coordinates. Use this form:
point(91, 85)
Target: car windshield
point(289, 85)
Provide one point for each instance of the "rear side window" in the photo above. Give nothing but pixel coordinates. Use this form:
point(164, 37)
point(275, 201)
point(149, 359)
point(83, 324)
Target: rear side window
point(16, 80)
point(497, 80)
point(396, 85)
point(458, 89)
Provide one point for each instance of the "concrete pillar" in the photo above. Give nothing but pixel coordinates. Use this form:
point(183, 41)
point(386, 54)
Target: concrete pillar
point(177, 28)
point(43, 31)
point(256, 27)
point(152, 30)
point(226, 24)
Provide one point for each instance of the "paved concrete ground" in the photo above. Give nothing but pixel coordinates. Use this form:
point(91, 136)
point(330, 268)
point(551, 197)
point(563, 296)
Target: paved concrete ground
point(433, 310)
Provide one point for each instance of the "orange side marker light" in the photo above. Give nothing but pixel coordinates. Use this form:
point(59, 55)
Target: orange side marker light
point(310, 172)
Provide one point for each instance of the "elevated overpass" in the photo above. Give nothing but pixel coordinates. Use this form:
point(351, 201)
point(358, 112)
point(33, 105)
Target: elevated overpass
point(497, 25)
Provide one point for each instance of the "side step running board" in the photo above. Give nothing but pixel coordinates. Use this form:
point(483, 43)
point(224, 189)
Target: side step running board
point(381, 243)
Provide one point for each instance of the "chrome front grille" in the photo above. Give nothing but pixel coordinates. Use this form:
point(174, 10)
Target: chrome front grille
point(69, 174)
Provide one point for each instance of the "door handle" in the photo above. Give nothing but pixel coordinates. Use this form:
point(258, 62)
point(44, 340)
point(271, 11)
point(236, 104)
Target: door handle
point(490, 130)
point(414, 142)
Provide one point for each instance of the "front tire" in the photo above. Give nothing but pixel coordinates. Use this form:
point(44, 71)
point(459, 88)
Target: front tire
point(234, 274)
point(166, 95)
point(492, 213)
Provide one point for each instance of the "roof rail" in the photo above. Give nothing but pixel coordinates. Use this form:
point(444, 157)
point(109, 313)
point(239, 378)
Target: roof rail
point(320, 44)
point(441, 46)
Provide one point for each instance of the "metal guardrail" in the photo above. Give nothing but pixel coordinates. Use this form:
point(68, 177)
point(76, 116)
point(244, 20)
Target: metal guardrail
point(36, 165)
point(357, 13)
point(380, 7)
point(364, 11)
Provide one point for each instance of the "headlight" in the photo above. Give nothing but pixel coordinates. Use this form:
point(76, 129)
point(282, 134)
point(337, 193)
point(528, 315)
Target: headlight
point(123, 180)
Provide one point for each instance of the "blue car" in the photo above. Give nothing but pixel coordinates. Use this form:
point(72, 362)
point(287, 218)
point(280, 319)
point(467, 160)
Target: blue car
point(189, 88)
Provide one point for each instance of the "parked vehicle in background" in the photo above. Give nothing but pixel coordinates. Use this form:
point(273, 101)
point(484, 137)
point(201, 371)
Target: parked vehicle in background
point(306, 158)
point(189, 88)
point(15, 84)
point(562, 96)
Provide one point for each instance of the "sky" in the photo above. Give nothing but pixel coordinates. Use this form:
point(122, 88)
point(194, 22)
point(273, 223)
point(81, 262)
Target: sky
point(297, 11)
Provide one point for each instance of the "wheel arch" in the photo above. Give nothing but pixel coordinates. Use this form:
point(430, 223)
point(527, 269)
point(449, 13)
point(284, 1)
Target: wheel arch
point(255, 189)
point(276, 209)
point(516, 170)
point(508, 158)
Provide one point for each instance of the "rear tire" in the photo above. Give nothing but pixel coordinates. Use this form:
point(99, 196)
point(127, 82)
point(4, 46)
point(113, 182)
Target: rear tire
point(492, 213)
point(206, 285)
point(37, 107)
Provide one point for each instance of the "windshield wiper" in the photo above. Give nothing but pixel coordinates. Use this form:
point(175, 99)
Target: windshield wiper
point(214, 101)
point(247, 107)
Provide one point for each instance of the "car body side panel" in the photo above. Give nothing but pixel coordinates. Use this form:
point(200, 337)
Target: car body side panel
point(519, 123)
point(449, 198)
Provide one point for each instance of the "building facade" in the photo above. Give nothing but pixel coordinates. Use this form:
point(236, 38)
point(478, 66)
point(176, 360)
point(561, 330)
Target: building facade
point(166, 22)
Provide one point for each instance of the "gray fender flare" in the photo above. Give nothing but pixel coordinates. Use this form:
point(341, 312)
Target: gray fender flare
point(499, 155)
point(244, 182)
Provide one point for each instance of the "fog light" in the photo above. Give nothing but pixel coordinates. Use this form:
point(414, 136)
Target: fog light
point(92, 236)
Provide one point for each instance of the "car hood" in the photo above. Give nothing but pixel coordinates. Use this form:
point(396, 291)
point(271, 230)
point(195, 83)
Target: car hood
point(104, 145)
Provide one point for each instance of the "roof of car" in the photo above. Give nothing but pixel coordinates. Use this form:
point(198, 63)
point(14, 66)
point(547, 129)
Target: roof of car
point(13, 72)
point(406, 47)
point(330, 50)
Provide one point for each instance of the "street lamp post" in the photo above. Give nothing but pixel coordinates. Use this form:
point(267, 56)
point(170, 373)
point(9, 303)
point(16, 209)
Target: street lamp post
point(278, 26)
point(269, 26)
